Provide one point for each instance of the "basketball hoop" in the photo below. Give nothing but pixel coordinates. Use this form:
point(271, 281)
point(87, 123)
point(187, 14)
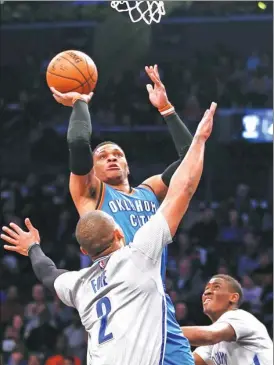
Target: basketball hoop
point(149, 11)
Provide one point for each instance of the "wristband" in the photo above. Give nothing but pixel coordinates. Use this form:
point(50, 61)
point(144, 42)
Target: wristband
point(167, 109)
point(32, 245)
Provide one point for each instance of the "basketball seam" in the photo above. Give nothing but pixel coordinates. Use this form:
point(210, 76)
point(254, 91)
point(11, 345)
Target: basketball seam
point(65, 77)
point(69, 78)
point(90, 75)
point(75, 67)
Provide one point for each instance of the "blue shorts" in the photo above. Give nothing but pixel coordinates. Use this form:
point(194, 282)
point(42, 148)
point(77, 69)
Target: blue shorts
point(178, 351)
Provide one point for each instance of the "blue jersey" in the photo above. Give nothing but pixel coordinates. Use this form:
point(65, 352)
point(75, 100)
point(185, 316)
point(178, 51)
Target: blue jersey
point(131, 211)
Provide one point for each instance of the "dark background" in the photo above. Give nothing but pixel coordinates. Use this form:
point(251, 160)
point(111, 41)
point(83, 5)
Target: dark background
point(206, 51)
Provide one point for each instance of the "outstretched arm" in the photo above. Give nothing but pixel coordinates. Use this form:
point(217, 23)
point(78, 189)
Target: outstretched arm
point(84, 186)
point(180, 134)
point(185, 180)
point(27, 244)
point(159, 230)
point(209, 335)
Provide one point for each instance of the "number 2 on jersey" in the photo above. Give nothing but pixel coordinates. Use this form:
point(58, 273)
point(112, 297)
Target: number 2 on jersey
point(103, 308)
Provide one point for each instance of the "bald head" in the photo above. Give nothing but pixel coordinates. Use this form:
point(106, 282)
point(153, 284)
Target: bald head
point(95, 232)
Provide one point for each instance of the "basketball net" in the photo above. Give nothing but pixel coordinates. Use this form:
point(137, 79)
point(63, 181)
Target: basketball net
point(149, 11)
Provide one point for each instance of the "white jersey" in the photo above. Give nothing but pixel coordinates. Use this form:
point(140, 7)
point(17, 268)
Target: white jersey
point(121, 300)
point(253, 345)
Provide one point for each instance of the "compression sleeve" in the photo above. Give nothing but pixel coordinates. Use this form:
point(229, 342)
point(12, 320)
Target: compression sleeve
point(78, 138)
point(43, 267)
point(181, 136)
point(182, 139)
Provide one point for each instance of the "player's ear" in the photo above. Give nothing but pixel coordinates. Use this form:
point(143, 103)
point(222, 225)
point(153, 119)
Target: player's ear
point(83, 251)
point(118, 234)
point(234, 298)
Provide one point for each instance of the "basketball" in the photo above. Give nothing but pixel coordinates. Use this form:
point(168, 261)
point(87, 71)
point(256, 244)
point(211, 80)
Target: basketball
point(72, 71)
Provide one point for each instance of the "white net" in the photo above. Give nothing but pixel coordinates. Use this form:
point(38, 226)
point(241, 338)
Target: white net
point(149, 11)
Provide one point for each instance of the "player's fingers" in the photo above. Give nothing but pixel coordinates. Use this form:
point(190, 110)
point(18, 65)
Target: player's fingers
point(149, 88)
point(8, 239)
point(56, 92)
point(157, 71)
point(11, 248)
point(29, 225)
point(58, 99)
point(91, 94)
point(16, 228)
point(213, 108)
point(10, 232)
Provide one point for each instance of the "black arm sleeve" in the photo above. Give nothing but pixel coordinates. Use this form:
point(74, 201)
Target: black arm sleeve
point(182, 139)
point(181, 136)
point(43, 267)
point(78, 138)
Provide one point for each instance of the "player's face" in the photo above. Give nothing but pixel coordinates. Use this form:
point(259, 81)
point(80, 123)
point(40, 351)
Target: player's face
point(110, 164)
point(216, 297)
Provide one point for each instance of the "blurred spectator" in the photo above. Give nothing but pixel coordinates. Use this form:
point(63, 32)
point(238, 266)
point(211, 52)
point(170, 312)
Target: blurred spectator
point(182, 314)
point(75, 334)
point(249, 259)
point(231, 232)
point(11, 306)
point(17, 357)
point(60, 354)
point(252, 294)
point(34, 360)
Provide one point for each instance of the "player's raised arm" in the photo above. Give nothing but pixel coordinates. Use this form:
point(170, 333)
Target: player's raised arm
point(185, 180)
point(84, 186)
point(27, 243)
point(158, 232)
point(180, 134)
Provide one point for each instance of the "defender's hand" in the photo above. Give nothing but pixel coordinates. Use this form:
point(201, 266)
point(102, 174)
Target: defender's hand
point(157, 94)
point(67, 99)
point(206, 124)
point(19, 239)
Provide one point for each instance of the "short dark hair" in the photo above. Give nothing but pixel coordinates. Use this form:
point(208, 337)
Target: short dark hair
point(95, 232)
point(234, 284)
point(105, 143)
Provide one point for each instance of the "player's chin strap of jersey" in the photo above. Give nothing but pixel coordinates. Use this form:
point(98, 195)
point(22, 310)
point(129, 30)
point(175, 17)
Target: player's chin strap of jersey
point(181, 136)
point(43, 267)
point(78, 137)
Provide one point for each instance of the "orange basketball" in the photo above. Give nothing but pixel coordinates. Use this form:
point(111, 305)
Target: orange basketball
point(72, 71)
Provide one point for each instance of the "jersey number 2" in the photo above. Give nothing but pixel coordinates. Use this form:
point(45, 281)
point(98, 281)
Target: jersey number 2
point(103, 308)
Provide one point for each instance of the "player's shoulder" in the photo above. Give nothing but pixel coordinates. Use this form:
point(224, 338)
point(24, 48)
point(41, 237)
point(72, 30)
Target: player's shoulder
point(245, 318)
point(69, 279)
point(238, 314)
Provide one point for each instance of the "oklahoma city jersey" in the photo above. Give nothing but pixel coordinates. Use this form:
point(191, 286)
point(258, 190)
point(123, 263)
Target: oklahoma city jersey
point(253, 345)
point(132, 211)
point(121, 300)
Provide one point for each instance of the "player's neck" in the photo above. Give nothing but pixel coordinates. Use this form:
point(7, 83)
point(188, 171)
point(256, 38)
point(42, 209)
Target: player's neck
point(116, 246)
point(215, 316)
point(124, 187)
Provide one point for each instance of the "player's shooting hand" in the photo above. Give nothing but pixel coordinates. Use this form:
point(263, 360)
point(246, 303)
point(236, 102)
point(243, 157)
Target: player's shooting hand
point(206, 124)
point(67, 99)
point(19, 240)
point(157, 93)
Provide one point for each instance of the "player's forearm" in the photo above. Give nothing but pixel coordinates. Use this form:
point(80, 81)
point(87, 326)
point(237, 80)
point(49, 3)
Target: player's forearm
point(182, 139)
point(180, 134)
point(199, 335)
point(78, 138)
point(209, 335)
point(188, 174)
point(43, 267)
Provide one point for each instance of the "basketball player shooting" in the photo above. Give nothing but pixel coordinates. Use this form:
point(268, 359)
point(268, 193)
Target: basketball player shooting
point(99, 181)
point(121, 296)
point(236, 337)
